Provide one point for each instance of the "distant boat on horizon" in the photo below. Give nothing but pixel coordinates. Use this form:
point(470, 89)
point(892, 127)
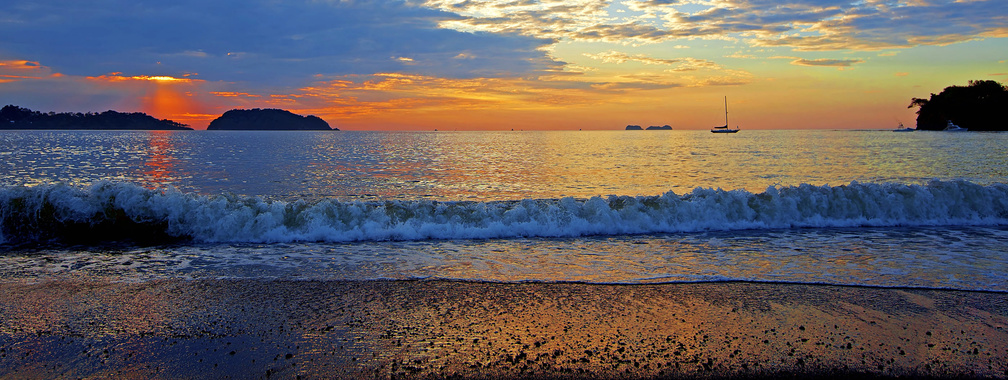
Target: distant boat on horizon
point(950, 127)
point(725, 129)
point(903, 129)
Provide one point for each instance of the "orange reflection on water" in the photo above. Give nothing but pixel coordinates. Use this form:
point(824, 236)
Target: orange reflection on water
point(159, 168)
point(514, 165)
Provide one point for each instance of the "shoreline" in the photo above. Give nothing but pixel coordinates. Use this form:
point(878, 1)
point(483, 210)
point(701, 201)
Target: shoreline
point(449, 328)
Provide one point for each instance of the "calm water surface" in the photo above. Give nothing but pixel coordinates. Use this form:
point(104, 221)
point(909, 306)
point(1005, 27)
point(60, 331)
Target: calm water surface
point(494, 165)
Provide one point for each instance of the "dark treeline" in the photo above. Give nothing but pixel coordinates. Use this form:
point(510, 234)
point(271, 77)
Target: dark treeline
point(980, 106)
point(269, 119)
point(14, 117)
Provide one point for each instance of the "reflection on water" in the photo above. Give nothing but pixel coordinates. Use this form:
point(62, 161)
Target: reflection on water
point(493, 165)
point(966, 258)
point(159, 169)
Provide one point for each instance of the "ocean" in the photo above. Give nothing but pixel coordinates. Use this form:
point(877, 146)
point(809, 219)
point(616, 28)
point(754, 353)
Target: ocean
point(851, 207)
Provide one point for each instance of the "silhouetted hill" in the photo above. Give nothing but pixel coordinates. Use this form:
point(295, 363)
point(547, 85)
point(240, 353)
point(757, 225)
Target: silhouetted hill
point(269, 119)
point(980, 106)
point(665, 127)
point(14, 117)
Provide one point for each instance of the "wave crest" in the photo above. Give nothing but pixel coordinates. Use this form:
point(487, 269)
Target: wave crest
point(114, 211)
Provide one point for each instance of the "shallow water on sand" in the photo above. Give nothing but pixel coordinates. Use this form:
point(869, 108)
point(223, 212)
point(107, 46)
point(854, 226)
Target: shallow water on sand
point(964, 258)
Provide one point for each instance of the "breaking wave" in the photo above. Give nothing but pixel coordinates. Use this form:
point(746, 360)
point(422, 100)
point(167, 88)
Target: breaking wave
point(114, 211)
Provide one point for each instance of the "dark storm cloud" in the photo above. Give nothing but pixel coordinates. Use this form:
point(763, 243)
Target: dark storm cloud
point(259, 41)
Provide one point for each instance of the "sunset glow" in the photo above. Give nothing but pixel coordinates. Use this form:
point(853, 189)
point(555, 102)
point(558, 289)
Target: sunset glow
point(529, 65)
point(118, 77)
point(160, 78)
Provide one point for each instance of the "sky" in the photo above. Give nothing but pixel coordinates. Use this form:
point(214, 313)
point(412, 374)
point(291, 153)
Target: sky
point(501, 65)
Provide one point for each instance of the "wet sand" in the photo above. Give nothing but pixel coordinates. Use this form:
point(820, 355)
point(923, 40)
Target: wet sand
point(436, 329)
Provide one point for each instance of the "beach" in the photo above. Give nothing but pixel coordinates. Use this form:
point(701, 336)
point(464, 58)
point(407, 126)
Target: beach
point(250, 328)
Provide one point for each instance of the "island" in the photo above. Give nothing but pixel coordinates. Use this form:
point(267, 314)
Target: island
point(269, 119)
point(977, 107)
point(665, 127)
point(15, 117)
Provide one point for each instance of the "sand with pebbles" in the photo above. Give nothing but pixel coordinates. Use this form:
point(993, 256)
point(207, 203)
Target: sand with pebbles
point(435, 329)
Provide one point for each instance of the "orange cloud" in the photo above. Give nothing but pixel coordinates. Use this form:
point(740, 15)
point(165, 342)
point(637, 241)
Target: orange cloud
point(14, 70)
point(232, 94)
point(117, 77)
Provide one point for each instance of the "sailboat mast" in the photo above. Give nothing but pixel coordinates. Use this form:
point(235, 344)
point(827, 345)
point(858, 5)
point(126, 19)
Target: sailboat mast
point(726, 111)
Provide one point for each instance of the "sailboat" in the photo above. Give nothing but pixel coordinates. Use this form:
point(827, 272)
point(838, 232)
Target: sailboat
point(725, 129)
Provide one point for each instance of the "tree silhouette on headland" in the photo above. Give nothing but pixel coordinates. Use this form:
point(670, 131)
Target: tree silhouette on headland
point(980, 106)
point(269, 119)
point(14, 117)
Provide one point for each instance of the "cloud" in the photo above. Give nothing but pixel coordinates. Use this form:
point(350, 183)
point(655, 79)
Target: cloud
point(613, 56)
point(655, 3)
point(16, 70)
point(233, 94)
point(118, 77)
point(354, 96)
point(827, 62)
point(681, 64)
point(583, 20)
point(694, 64)
point(800, 24)
point(872, 25)
point(256, 41)
point(637, 83)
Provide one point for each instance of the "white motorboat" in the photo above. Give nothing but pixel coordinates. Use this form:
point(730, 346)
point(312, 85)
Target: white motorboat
point(951, 127)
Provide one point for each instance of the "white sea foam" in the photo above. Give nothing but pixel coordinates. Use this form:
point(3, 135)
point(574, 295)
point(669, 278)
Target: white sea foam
point(48, 211)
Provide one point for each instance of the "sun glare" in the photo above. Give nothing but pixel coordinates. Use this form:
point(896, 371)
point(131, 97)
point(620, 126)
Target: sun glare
point(118, 77)
point(161, 78)
point(162, 96)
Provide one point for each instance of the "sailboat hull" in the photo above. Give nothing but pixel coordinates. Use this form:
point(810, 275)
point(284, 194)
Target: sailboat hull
point(724, 130)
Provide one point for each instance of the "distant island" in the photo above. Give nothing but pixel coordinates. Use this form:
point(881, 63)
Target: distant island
point(977, 107)
point(651, 128)
point(269, 119)
point(14, 117)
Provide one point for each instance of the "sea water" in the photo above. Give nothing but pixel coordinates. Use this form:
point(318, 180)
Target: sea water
point(872, 208)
